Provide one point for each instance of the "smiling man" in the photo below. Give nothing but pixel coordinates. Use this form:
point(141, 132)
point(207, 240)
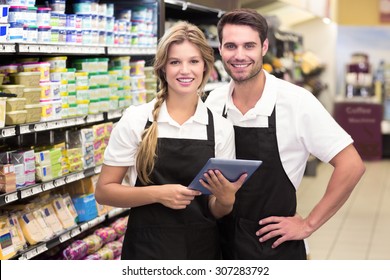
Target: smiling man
point(281, 124)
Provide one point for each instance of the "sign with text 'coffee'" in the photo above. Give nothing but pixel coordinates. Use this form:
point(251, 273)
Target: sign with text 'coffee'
point(363, 122)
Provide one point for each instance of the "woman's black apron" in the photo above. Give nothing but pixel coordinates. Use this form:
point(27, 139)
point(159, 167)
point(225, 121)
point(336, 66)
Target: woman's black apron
point(268, 192)
point(158, 232)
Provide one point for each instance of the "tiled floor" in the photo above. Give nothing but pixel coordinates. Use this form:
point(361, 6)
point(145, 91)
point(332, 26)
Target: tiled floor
point(361, 228)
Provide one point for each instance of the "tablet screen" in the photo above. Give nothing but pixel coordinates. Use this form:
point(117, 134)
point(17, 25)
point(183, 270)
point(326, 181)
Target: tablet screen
point(232, 169)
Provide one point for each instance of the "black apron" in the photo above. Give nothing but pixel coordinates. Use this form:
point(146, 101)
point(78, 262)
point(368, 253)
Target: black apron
point(158, 232)
point(268, 192)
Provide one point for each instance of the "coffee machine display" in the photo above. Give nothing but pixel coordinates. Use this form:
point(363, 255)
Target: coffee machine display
point(359, 77)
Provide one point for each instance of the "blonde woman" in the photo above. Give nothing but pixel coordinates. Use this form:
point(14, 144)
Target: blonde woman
point(161, 146)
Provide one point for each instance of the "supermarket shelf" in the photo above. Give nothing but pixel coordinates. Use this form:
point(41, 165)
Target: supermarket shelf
point(40, 248)
point(7, 48)
point(56, 48)
point(130, 50)
point(20, 129)
point(59, 48)
point(35, 189)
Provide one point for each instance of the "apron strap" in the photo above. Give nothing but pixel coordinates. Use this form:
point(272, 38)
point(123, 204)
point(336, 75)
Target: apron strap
point(210, 126)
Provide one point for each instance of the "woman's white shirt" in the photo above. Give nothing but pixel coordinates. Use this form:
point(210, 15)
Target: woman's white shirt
point(126, 135)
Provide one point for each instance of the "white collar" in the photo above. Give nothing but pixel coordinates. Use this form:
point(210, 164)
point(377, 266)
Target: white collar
point(200, 116)
point(266, 103)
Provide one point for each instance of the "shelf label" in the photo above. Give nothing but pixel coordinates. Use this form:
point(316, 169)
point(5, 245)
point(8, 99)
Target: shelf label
point(23, 129)
point(80, 121)
point(75, 232)
point(61, 123)
point(70, 122)
point(98, 169)
point(11, 197)
point(8, 131)
point(95, 118)
point(84, 227)
point(47, 186)
point(96, 221)
point(64, 237)
point(74, 177)
point(71, 178)
point(52, 125)
point(42, 248)
point(114, 114)
point(59, 182)
point(40, 126)
point(30, 191)
point(30, 254)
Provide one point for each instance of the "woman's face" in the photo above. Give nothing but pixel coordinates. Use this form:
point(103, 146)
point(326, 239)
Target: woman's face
point(184, 68)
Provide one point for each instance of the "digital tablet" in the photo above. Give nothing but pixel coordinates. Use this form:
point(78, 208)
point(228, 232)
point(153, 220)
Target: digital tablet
point(232, 169)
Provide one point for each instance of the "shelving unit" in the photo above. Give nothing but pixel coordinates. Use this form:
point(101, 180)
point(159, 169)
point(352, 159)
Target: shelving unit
point(38, 249)
point(12, 50)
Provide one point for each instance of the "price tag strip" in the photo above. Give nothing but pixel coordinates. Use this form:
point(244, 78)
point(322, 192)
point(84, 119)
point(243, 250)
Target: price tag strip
point(34, 252)
point(8, 132)
point(95, 118)
point(11, 197)
point(48, 186)
point(31, 191)
point(64, 237)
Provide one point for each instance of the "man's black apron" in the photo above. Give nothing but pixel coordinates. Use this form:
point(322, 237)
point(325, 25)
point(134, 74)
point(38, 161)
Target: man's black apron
point(158, 232)
point(268, 192)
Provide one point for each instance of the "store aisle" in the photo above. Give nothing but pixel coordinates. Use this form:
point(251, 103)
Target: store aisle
point(361, 228)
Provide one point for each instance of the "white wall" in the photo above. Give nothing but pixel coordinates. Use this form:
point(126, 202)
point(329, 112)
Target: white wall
point(320, 39)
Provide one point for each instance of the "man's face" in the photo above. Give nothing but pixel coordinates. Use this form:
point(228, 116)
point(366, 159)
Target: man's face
point(242, 52)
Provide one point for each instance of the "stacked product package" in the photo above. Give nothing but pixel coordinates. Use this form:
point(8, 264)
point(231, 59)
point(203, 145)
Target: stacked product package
point(38, 221)
point(104, 244)
point(91, 23)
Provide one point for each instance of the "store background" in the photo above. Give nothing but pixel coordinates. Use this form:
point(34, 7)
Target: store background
point(333, 31)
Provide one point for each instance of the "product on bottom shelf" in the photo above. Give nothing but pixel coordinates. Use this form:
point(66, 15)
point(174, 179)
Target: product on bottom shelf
point(77, 250)
point(94, 243)
point(107, 234)
point(104, 253)
point(116, 247)
point(120, 225)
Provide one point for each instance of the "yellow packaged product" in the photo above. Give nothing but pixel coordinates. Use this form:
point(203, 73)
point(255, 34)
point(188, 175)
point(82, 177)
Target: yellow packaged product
point(17, 233)
point(15, 117)
point(69, 203)
point(31, 228)
point(7, 249)
point(28, 79)
point(32, 95)
point(13, 89)
point(46, 230)
point(33, 112)
point(63, 213)
point(51, 219)
point(15, 104)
